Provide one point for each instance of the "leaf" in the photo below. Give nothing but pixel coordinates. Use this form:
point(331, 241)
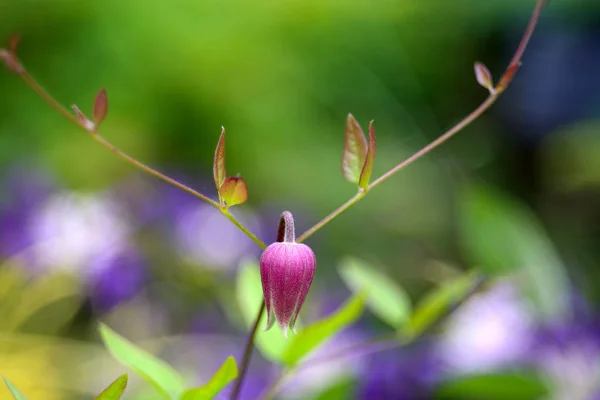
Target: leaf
point(100, 107)
point(219, 380)
point(219, 171)
point(40, 297)
point(355, 150)
point(385, 299)
point(365, 175)
point(484, 77)
point(157, 372)
point(320, 331)
point(504, 237)
point(499, 386)
point(435, 304)
point(234, 191)
point(271, 343)
point(115, 390)
point(16, 393)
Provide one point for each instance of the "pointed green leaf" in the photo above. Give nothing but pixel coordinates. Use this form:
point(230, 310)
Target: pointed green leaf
point(115, 390)
point(435, 304)
point(386, 299)
point(320, 331)
point(271, 343)
point(355, 150)
point(367, 169)
point(220, 379)
point(157, 372)
point(219, 172)
point(502, 236)
point(234, 191)
point(16, 393)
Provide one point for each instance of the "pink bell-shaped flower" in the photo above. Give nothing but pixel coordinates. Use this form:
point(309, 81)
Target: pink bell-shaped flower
point(287, 269)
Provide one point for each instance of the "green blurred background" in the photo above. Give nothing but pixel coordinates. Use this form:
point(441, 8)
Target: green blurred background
point(281, 77)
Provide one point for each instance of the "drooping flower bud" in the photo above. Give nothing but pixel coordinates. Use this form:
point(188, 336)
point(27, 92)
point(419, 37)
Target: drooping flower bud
point(287, 269)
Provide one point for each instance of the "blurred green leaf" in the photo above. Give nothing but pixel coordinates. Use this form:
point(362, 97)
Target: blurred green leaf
point(270, 343)
point(16, 393)
point(115, 390)
point(157, 372)
point(438, 301)
point(386, 299)
point(58, 294)
point(219, 380)
point(355, 150)
point(504, 237)
point(318, 332)
point(512, 386)
point(367, 169)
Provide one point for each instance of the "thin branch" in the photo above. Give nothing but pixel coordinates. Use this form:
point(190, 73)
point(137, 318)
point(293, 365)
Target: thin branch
point(483, 107)
point(247, 355)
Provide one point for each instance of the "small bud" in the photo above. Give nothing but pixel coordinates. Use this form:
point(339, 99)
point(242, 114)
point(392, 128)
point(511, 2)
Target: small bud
point(13, 43)
point(287, 269)
point(508, 76)
point(484, 77)
point(100, 107)
point(83, 120)
point(234, 191)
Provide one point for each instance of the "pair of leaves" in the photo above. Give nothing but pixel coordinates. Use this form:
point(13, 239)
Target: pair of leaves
point(113, 392)
point(99, 112)
point(359, 154)
point(272, 345)
point(232, 190)
point(161, 375)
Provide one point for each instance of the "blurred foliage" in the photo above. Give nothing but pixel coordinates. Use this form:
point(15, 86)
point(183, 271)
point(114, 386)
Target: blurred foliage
point(281, 77)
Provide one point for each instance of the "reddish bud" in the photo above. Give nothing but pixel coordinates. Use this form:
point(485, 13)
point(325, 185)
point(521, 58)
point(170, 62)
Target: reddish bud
point(367, 169)
point(508, 76)
point(100, 107)
point(355, 150)
point(13, 43)
point(287, 269)
point(484, 77)
point(234, 191)
point(83, 120)
point(219, 172)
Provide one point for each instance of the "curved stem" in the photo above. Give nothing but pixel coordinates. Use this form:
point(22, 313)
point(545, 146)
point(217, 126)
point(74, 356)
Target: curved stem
point(331, 216)
point(483, 107)
point(247, 355)
point(105, 143)
point(242, 228)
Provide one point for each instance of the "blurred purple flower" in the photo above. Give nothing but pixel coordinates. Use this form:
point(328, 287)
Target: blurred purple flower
point(310, 381)
point(407, 373)
point(116, 277)
point(204, 236)
point(490, 331)
point(48, 229)
point(568, 356)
